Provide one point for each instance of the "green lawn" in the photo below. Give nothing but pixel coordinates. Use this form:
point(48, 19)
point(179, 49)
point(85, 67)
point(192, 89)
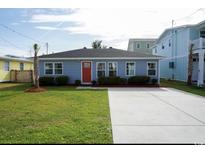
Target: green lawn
point(182, 86)
point(61, 115)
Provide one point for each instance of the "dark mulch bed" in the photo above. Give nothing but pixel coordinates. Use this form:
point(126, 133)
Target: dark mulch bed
point(34, 89)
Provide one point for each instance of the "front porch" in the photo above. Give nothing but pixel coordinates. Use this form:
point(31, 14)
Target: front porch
point(198, 74)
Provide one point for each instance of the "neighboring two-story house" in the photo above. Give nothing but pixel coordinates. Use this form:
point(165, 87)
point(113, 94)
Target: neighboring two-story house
point(141, 45)
point(174, 45)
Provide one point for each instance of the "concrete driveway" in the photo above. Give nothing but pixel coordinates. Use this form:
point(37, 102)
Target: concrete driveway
point(156, 115)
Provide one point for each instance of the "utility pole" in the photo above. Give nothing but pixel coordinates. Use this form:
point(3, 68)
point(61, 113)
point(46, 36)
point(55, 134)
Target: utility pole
point(47, 48)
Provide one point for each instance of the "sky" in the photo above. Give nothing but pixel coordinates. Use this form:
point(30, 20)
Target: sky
point(67, 29)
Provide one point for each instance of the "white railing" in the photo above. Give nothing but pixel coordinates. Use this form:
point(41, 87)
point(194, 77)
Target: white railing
point(199, 43)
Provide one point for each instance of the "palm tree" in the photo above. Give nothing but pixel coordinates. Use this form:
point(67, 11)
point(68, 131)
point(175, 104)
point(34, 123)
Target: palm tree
point(36, 49)
point(190, 65)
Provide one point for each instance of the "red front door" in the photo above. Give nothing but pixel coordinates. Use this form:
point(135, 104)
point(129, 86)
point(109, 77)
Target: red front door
point(86, 71)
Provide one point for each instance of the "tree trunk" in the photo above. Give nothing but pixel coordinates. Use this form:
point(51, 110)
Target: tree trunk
point(36, 82)
point(190, 65)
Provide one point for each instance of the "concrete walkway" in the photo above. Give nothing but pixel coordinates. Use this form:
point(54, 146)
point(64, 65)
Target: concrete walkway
point(156, 115)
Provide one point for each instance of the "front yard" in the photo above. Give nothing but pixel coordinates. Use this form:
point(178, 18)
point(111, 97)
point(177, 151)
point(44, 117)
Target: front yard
point(182, 86)
point(61, 115)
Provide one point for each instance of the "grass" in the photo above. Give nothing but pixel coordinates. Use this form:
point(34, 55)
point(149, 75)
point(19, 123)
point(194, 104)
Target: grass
point(182, 86)
point(61, 115)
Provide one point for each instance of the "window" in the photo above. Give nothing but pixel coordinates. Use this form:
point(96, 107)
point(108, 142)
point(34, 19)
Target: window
point(169, 43)
point(148, 46)
point(53, 68)
point(138, 45)
point(21, 66)
point(112, 69)
point(49, 68)
point(162, 46)
point(6, 66)
point(58, 68)
point(101, 69)
point(130, 69)
point(171, 64)
point(202, 34)
point(155, 50)
point(151, 68)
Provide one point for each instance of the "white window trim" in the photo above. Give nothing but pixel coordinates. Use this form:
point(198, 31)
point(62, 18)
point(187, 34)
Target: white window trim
point(97, 68)
point(109, 68)
point(8, 66)
point(53, 63)
point(126, 68)
point(156, 68)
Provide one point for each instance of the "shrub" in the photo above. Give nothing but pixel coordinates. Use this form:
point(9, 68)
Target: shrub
point(123, 81)
point(154, 81)
point(111, 81)
point(47, 81)
point(62, 80)
point(77, 82)
point(138, 80)
point(94, 82)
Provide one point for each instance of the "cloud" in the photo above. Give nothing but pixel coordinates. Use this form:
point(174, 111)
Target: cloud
point(119, 25)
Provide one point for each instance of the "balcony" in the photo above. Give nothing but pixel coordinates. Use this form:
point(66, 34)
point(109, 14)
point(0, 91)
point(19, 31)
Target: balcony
point(198, 44)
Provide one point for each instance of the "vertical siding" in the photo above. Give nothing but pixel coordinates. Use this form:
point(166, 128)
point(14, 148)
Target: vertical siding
point(72, 68)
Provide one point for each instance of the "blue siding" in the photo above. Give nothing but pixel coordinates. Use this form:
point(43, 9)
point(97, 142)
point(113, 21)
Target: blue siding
point(72, 68)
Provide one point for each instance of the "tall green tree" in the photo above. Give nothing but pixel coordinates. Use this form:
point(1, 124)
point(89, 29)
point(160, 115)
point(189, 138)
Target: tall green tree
point(97, 44)
point(36, 49)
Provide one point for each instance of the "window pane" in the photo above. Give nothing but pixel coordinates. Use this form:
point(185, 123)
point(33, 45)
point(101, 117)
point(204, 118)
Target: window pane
point(86, 65)
point(6, 66)
point(100, 74)
point(58, 65)
point(58, 71)
point(151, 65)
point(21, 66)
point(112, 73)
point(49, 71)
point(101, 66)
point(151, 72)
point(49, 66)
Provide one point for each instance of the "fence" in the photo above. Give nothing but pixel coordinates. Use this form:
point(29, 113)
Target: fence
point(21, 76)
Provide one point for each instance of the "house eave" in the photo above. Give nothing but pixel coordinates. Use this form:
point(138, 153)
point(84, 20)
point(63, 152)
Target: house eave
point(104, 58)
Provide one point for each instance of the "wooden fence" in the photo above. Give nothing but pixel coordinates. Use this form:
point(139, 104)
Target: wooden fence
point(21, 76)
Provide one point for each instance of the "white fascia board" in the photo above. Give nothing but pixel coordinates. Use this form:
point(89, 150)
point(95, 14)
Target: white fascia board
point(116, 58)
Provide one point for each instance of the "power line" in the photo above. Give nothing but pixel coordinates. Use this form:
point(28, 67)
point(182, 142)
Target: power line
point(9, 42)
point(14, 31)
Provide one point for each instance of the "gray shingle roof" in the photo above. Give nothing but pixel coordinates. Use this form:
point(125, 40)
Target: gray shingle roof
point(98, 53)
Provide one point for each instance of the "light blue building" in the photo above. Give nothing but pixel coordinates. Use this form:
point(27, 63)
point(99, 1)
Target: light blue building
point(90, 64)
point(174, 44)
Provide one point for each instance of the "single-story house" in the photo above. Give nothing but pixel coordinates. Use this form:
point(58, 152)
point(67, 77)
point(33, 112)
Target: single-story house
point(90, 64)
point(8, 63)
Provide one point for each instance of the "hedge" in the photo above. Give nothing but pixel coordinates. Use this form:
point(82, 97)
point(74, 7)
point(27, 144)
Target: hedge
point(62, 80)
point(111, 81)
point(138, 80)
point(47, 81)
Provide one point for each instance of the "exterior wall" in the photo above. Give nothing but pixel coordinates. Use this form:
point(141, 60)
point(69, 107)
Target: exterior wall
point(132, 45)
point(72, 68)
point(177, 52)
point(13, 65)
